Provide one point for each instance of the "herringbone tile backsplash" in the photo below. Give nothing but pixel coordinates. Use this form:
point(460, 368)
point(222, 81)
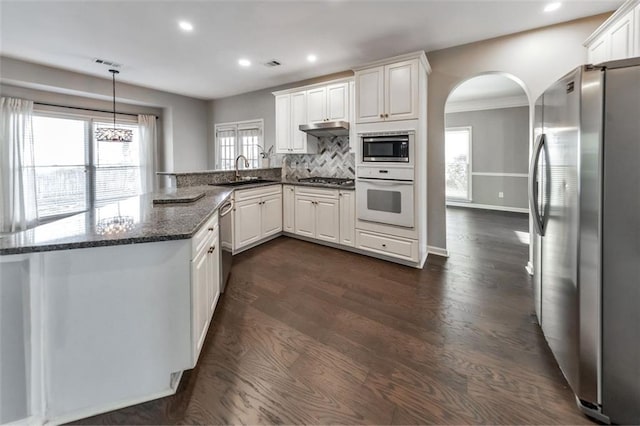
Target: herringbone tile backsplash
point(332, 160)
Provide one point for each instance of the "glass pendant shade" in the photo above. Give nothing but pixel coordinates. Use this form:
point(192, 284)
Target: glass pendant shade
point(106, 134)
point(113, 134)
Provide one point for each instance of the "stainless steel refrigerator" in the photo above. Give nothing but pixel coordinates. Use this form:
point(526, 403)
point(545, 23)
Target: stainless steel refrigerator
point(584, 197)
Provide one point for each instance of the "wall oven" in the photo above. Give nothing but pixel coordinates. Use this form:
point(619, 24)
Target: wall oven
point(386, 148)
point(385, 195)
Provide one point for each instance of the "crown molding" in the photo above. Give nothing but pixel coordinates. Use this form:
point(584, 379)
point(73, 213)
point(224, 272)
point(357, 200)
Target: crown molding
point(485, 104)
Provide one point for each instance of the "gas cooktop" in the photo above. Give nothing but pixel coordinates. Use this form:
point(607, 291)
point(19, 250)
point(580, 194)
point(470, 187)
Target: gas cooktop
point(327, 181)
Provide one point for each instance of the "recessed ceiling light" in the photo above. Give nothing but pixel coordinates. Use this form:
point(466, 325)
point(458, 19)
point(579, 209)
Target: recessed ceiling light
point(244, 62)
point(552, 6)
point(185, 26)
point(312, 58)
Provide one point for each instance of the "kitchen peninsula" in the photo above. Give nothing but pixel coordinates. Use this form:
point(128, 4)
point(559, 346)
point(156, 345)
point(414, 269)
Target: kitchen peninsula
point(110, 306)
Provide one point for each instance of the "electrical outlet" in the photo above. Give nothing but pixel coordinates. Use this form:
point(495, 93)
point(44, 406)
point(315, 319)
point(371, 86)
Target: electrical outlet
point(500, 194)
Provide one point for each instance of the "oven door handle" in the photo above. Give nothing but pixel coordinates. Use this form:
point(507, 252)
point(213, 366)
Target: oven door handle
point(385, 182)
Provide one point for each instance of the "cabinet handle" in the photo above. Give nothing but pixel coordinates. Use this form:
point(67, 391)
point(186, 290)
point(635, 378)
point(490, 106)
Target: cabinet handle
point(384, 245)
point(210, 229)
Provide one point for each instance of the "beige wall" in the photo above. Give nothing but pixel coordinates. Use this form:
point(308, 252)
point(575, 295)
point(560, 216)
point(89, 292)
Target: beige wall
point(537, 58)
point(184, 119)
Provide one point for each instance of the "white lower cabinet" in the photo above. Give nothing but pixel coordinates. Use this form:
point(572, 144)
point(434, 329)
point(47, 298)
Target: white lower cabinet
point(288, 208)
point(401, 248)
point(305, 216)
point(327, 220)
point(205, 282)
point(347, 218)
point(257, 215)
point(317, 213)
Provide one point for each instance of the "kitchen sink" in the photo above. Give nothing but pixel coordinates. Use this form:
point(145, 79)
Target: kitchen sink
point(243, 182)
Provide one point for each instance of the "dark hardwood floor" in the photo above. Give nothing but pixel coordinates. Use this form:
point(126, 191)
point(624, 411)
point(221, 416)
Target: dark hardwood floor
point(307, 334)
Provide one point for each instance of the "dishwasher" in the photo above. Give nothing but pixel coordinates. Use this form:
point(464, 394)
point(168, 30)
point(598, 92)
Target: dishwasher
point(226, 238)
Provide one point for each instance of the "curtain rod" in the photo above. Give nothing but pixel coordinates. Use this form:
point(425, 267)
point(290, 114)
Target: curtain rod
point(88, 109)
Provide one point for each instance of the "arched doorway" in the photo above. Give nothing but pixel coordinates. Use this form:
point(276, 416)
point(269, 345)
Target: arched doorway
point(487, 142)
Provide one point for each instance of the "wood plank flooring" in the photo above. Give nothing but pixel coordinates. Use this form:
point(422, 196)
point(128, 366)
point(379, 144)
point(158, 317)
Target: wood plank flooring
point(307, 334)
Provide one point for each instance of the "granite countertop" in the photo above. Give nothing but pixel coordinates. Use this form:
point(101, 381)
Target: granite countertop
point(287, 182)
point(143, 221)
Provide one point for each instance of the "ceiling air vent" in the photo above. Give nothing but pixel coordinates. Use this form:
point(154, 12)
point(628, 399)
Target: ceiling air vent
point(107, 63)
point(272, 63)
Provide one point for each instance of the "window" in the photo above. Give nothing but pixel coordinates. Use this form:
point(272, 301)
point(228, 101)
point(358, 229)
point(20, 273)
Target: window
point(74, 172)
point(458, 163)
point(233, 139)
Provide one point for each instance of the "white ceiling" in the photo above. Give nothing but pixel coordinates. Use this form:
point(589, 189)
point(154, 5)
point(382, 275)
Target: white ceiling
point(144, 37)
point(490, 86)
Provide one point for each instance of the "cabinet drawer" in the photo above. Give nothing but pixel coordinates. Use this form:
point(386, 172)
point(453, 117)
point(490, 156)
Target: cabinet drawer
point(246, 194)
point(307, 191)
point(390, 246)
point(204, 235)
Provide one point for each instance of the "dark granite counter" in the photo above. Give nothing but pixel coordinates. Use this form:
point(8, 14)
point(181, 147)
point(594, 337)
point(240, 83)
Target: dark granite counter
point(139, 221)
point(288, 182)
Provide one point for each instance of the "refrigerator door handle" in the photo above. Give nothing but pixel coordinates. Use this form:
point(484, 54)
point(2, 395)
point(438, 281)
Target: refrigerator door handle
point(533, 184)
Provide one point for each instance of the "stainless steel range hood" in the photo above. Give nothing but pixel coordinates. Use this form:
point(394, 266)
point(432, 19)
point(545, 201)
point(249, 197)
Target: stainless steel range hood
point(326, 128)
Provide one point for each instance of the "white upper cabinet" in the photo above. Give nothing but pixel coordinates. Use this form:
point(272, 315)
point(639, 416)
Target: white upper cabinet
point(328, 103)
point(283, 123)
point(306, 105)
point(370, 95)
point(338, 102)
point(622, 37)
point(298, 117)
point(401, 90)
point(317, 105)
point(618, 37)
point(388, 92)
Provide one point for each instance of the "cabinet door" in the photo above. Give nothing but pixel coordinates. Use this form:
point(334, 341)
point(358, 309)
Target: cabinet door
point(401, 90)
point(200, 273)
point(298, 117)
point(213, 254)
point(247, 222)
point(316, 105)
point(621, 38)
point(305, 217)
point(271, 215)
point(338, 101)
point(327, 220)
point(288, 208)
point(283, 124)
point(347, 218)
point(369, 95)
point(599, 50)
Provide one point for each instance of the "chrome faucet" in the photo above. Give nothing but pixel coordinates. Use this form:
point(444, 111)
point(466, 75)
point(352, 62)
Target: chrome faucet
point(246, 164)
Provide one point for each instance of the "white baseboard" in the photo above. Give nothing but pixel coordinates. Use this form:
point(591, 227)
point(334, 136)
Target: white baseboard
point(529, 268)
point(488, 207)
point(438, 251)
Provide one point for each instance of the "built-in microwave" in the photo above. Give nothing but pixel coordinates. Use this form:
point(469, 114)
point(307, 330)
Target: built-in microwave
point(389, 148)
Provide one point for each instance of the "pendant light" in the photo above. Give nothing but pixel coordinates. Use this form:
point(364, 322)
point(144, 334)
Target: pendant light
point(108, 134)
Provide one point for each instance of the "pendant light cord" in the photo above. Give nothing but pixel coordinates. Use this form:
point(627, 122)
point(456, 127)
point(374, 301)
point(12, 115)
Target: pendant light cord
point(113, 75)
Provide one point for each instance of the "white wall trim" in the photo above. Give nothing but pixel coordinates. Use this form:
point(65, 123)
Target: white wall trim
point(488, 207)
point(438, 251)
point(485, 104)
point(518, 175)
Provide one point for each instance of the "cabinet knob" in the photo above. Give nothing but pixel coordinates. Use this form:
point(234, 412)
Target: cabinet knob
point(381, 115)
point(386, 116)
point(210, 229)
point(384, 245)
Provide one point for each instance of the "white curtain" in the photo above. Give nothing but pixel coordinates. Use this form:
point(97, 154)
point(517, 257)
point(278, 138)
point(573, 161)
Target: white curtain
point(18, 205)
point(148, 153)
